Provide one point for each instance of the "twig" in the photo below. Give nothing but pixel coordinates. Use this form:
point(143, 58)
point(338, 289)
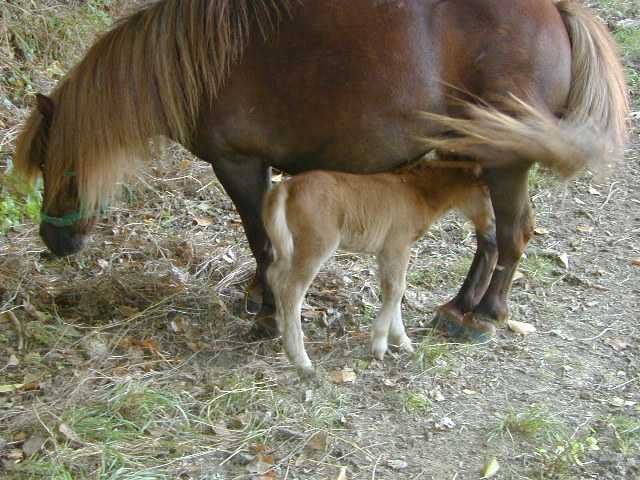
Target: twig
point(375, 467)
point(596, 337)
point(18, 325)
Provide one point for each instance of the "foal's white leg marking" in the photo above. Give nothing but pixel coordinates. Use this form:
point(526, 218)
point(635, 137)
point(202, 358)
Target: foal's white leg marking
point(392, 269)
point(289, 293)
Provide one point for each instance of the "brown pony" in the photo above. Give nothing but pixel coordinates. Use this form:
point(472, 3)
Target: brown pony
point(311, 215)
point(299, 85)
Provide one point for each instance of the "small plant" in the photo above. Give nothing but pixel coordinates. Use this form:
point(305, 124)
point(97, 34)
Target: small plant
point(533, 423)
point(627, 433)
point(538, 268)
point(430, 354)
point(415, 402)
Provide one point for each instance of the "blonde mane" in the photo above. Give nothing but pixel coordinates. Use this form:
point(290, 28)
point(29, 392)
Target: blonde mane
point(148, 76)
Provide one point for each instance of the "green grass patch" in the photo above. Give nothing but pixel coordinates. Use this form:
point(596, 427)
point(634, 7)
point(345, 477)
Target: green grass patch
point(627, 434)
point(533, 423)
point(539, 269)
point(432, 353)
point(415, 402)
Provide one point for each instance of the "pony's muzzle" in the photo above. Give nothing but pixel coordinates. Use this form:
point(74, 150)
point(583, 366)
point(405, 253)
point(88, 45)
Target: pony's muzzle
point(62, 241)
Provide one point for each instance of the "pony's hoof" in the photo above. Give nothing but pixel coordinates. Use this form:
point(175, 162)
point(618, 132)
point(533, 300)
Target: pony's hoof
point(447, 321)
point(264, 327)
point(252, 302)
point(476, 328)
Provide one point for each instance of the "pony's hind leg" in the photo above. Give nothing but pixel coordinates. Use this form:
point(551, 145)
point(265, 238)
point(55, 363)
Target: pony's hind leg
point(479, 210)
point(514, 228)
point(246, 180)
point(388, 326)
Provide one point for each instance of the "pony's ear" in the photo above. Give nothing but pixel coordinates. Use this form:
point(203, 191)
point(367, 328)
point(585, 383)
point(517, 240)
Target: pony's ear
point(45, 106)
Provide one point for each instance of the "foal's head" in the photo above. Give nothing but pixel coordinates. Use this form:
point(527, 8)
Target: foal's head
point(65, 222)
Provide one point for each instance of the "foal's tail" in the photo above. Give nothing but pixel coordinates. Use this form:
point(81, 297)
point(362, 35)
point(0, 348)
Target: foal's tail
point(591, 133)
point(274, 216)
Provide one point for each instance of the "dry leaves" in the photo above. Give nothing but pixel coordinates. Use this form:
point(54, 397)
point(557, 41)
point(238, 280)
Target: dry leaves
point(490, 468)
point(520, 328)
point(346, 375)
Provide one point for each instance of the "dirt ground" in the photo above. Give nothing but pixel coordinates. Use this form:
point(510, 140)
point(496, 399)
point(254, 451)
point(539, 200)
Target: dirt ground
point(131, 360)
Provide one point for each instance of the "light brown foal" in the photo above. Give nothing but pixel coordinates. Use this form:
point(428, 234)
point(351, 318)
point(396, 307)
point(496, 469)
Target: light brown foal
point(311, 215)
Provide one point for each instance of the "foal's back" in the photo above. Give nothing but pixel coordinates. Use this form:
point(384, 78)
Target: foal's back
point(361, 212)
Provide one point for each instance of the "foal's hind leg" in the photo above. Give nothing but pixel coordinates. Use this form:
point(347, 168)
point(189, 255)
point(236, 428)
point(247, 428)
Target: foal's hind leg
point(514, 228)
point(480, 211)
point(388, 326)
point(246, 180)
point(290, 280)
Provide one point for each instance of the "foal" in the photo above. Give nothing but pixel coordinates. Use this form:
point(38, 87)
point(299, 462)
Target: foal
point(311, 215)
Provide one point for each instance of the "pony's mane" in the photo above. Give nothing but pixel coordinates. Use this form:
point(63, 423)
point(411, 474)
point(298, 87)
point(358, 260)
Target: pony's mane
point(149, 75)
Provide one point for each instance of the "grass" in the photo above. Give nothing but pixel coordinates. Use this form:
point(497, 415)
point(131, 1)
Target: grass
point(532, 423)
point(432, 352)
point(440, 273)
point(627, 433)
point(415, 402)
point(539, 269)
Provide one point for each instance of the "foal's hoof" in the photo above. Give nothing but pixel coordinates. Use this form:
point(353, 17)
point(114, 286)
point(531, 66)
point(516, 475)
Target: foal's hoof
point(307, 374)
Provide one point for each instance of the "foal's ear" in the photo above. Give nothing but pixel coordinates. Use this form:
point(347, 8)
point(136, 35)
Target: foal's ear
point(45, 106)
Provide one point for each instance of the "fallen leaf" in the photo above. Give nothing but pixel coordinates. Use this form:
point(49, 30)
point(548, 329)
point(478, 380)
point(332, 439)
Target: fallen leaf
point(578, 201)
point(469, 392)
point(10, 387)
point(584, 228)
point(69, 434)
point(262, 465)
point(564, 259)
point(635, 261)
point(14, 454)
point(520, 328)
point(398, 464)
point(33, 445)
point(346, 375)
point(617, 402)
point(13, 361)
point(595, 192)
point(617, 344)
point(490, 468)
point(541, 231)
point(342, 474)
point(202, 221)
point(445, 424)
point(318, 441)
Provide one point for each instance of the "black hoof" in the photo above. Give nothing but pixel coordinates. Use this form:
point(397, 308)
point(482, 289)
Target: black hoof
point(264, 326)
point(252, 303)
point(474, 328)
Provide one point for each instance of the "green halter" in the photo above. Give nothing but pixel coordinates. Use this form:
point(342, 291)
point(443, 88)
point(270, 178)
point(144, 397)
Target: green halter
point(70, 218)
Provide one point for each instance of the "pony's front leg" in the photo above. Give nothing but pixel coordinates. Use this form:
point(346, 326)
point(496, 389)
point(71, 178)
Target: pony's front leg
point(246, 180)
point(514, 227)
point(388, 326)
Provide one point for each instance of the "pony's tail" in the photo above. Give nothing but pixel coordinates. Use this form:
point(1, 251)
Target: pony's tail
point(592, 132)
point(274, 216)
point(598, 90)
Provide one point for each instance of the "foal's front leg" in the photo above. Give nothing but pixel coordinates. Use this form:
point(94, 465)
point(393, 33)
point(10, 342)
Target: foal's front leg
point(388, 326)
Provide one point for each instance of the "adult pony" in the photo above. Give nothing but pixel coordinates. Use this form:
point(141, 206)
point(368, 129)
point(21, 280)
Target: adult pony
point(250, 84)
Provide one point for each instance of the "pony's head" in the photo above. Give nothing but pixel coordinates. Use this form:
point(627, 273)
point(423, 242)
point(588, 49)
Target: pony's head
point(65, 221)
